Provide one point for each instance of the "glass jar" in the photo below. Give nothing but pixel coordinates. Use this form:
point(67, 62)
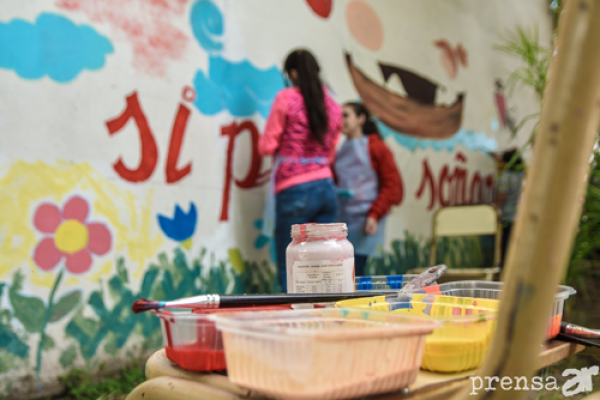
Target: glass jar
point(320, 259)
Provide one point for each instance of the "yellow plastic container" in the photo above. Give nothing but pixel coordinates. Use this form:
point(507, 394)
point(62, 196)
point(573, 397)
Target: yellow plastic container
point(492, 290)
point(460, 343)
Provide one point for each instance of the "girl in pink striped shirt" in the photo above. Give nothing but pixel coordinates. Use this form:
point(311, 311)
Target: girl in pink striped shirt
point(302, 131)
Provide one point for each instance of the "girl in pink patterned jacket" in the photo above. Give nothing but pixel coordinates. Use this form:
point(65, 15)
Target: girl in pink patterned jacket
point(302, 131)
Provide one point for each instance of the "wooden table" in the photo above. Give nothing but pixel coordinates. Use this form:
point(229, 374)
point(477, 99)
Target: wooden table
point(166, 381)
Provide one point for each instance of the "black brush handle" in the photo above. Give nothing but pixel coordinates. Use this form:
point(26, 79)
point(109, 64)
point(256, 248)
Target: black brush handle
point(575, 339)
point(232, 300)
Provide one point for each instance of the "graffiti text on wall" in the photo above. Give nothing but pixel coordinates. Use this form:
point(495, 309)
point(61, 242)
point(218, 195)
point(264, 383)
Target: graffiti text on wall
point(453, 187)
point(254, 177)
point(149, 149)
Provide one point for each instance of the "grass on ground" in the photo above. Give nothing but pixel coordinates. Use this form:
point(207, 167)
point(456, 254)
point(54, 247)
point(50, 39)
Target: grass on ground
point(84, 385)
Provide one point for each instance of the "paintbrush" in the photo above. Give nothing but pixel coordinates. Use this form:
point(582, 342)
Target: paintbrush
point(228, 300)
point(577, 339)
point(425, 278)
point(221, 301)
point(579, 331)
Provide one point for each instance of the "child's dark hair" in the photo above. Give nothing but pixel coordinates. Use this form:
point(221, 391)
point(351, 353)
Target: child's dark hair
point(307, 68)
point(369, 127)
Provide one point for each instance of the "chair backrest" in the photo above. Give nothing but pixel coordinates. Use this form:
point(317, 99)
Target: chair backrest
point(468, 220)
point(474, 220)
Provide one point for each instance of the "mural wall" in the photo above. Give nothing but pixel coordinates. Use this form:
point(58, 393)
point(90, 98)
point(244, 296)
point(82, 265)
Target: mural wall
point(128, 148)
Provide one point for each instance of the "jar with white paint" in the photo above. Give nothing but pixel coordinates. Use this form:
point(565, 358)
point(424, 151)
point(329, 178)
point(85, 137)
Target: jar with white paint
point(320, 259)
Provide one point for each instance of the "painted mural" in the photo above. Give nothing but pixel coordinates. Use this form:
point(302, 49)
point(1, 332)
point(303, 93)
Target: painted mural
point(128, 150)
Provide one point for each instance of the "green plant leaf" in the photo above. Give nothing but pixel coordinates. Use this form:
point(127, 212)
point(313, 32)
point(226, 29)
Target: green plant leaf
point(236, 260)
point(88, 326)
point(111, 345)
point(65, 305)
point(49, 343)
point(68, 356)
point(5, 318)
point(523, 122)
point(122, 271)
point(17, 283)
point(593, 191)
point(30, 311)
point(11, 342)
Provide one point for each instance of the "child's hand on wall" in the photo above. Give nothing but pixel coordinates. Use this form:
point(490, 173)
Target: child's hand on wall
point(371, 226)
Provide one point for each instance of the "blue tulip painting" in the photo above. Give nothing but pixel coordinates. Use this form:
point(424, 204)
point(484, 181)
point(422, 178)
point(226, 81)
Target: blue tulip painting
point(181, 227)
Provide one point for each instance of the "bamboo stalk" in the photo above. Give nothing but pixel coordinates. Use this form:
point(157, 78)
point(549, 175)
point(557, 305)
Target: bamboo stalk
point(551, 203)
point(595, 396)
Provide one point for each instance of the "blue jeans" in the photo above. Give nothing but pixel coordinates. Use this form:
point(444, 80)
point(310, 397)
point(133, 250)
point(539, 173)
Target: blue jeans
point(360, 263)
point(314, 201)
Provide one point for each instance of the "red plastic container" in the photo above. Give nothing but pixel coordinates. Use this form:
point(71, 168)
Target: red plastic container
point(192, 341)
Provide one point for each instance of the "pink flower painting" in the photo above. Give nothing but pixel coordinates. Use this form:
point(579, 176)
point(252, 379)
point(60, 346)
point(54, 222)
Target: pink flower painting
point(70, 235)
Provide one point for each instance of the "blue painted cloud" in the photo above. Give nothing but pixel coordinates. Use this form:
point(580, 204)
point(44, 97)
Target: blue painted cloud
point(52, 46)
point(240, 88)
point(181, 226)
point(207, 25)
point(470, 139)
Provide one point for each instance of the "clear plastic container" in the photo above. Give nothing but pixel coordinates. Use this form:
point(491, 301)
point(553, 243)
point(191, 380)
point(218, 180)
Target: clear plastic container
point(463, 339)
point(323, 354)
point(191, 339)
point(320, 259)
point(382, 282)
point(492, 290)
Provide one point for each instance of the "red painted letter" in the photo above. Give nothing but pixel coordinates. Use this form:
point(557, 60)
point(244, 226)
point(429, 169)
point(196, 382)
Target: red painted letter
point(149, 150)
point(460, 181)
point(445, 178)
point(254, 178)
point(172, 173)
point(476, 182)
point(489, 189)
point(427, 177)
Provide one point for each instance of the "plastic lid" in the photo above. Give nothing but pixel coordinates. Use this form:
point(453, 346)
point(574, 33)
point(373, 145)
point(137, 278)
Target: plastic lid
point(437, 308)
point(313, 229)
point(483, 289)
point(194, 315)
point(328, 324)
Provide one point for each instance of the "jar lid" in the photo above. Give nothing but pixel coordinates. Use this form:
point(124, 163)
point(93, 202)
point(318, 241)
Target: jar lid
point(312, 229)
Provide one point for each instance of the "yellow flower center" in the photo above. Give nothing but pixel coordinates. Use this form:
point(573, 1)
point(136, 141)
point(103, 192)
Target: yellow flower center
point(71, 236)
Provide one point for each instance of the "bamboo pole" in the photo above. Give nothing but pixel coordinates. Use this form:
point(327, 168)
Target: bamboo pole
point(595, 396)
point(551, 203)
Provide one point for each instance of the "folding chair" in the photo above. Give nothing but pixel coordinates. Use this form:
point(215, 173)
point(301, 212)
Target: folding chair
point(468, 220)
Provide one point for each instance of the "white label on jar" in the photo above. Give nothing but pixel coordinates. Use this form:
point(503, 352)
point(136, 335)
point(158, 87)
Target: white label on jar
point(328, 276)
